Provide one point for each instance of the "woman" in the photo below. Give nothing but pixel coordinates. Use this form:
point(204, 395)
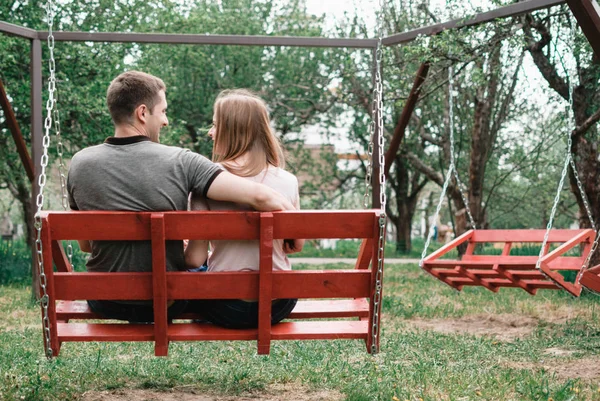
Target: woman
point(245, 145)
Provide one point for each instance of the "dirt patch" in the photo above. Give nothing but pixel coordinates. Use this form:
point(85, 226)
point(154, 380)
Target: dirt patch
point(501, 327)
point(558, 352)
point(273, 393)
point(586, 369)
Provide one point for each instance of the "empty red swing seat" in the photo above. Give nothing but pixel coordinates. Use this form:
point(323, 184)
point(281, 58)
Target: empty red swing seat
point(506, 270)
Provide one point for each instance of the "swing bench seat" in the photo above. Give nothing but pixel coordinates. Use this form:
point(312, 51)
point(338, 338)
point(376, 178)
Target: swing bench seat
point(590, 279)
point(506, 270)
point(325, 296)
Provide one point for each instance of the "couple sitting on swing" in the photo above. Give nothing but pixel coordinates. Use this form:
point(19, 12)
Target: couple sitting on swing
point(132, 171)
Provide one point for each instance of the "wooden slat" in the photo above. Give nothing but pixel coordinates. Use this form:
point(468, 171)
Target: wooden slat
point(305, 224)
point(347, 283)
point(527, 236)
point(511, 262)
point(585, 236)
point(105, 332)
point(331, 309)
point(311, 309)
point(490, 273)
point(364, 254)
point(313, 224)
point(321, 330)
point(103, 286)
point(212, 225)
point(449, 246)
point(209, 332)
point(118, 226)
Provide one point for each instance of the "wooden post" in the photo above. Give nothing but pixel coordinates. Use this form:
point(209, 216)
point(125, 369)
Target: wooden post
point(265, 283)
point(159, 284)
point(587, 13)
point(13, 126)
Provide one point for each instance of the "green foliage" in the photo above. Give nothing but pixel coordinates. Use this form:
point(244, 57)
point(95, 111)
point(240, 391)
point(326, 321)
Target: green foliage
point(15, 263)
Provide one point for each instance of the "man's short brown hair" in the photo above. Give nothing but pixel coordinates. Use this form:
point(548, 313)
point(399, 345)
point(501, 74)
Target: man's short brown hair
point(129, 90)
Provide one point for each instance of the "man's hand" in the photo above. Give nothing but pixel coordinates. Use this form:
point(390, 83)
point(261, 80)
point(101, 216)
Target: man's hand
point(229, 187)
point(292, 245)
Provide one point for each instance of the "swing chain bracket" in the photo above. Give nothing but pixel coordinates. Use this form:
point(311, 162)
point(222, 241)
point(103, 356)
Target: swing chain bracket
point(44, 297)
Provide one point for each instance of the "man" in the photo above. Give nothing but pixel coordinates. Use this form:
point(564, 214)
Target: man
point(132, 171)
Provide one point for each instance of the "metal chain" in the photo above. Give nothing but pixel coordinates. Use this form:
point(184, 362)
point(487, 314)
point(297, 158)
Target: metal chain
point(45, 300)
point(452, 171)
point(377, 112)
point(569, 161)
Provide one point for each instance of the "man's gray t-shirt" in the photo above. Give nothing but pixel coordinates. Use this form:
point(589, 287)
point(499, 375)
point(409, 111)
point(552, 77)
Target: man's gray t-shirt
point(136, 174)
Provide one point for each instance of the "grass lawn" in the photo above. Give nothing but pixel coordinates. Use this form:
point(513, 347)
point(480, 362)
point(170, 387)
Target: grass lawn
point(437, 344)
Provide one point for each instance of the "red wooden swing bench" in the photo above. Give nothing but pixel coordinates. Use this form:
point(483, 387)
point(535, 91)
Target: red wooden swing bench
point(505, 270)
point(590, 279)
point(333, 294)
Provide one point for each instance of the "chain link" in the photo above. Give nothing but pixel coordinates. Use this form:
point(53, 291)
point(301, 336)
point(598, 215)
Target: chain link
point(44, 299)
point(377, 126)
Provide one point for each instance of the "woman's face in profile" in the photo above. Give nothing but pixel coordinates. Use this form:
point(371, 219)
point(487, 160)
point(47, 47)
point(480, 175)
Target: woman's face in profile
point(212, 132)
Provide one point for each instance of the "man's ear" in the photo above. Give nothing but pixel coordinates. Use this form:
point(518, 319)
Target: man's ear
point(141, 112)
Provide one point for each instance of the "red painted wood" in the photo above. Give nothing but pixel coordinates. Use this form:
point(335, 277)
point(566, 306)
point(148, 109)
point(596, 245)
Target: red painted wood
point(450, 246)
point(371, 341)
point(100, 225)
point(573, 289)
point(523, 235)
point(511, 262)
point(323, 224)
point(212, 225)
point(208, 332)
point(312, 309)
point(49, 282)
point(60, 258)
point(348, 283)
point(105, 332)
point(476, 279)
point(103, 286)
point(585, 236)
point(364, 254)
point(590, 279)
point(265, 283)
point(331, 309)
point(518, 280)
point(159, 284)
point(162, 286)
point(314, 330)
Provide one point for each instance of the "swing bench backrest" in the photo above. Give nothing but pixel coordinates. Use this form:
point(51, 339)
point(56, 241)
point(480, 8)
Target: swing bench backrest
point(506, 270)
point(339, 293)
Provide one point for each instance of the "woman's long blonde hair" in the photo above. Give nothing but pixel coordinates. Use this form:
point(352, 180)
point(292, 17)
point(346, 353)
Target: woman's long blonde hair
point(243, 126)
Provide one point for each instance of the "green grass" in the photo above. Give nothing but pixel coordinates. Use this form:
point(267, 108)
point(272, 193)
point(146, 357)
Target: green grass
point(414, 364)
